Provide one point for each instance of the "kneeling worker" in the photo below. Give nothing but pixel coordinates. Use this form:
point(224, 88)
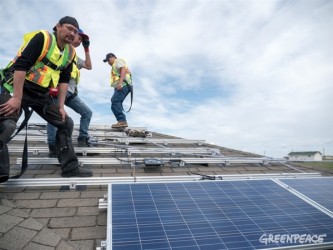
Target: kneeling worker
point(46, 59)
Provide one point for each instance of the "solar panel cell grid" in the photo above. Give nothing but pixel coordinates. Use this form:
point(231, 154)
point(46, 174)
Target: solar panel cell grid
point(210, 215)
point(317, 189)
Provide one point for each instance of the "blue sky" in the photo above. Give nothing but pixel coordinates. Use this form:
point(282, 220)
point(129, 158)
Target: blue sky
point(250, 75)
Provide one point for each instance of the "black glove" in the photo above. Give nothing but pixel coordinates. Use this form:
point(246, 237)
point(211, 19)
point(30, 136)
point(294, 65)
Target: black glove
point(85, 41)
point(86, 44)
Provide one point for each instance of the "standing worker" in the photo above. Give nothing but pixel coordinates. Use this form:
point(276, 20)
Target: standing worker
point(121, 81)
point(45, 60)
point(72, 99)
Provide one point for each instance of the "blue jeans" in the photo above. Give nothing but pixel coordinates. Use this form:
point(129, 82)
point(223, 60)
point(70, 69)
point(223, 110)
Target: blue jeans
point(117, 103)
point(74, 102)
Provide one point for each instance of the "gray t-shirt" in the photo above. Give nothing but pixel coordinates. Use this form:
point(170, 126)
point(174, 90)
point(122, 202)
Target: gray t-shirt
point(72, 85)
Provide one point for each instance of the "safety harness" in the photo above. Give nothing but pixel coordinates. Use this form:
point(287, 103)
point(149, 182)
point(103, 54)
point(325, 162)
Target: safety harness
point(6, 74)
point(6, 83)
point(115, 75)
point(24, 166)
point(130, 86)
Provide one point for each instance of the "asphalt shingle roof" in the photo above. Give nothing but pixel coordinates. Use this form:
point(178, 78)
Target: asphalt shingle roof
point(59, 216)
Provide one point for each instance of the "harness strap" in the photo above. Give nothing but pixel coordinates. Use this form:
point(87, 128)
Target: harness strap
point(24, 165)
point(131, 90)
point(50, 64)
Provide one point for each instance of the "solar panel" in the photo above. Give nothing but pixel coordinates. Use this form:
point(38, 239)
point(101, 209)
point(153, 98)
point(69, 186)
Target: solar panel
point(248, 214)
point(317, 189)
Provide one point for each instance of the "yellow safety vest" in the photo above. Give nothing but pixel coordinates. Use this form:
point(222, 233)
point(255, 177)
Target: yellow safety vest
point(115, 75)
point(75, 74)
point(46, 72)
point(47, 69)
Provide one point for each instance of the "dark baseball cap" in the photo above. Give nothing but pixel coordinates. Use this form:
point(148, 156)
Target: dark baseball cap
point(69, 20)
point(108, 56)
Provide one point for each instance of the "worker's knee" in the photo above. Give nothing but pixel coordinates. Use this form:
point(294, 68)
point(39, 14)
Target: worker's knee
point(69, 123)
point(7, 128)
point(10, 125)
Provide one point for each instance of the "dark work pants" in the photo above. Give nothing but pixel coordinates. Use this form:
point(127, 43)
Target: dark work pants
point(7, 128)
point(38, 99)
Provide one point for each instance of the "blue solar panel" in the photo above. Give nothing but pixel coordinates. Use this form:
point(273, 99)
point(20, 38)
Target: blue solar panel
point(319, 190)
point(212, 215)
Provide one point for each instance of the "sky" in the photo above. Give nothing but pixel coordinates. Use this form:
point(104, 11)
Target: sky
point(250, 75)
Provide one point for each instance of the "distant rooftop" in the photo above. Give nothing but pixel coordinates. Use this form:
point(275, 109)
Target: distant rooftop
point(304, 153)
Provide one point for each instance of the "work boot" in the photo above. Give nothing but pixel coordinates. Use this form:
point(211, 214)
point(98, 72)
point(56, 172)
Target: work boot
point(119, 125)
point(83, 141)
point(78, 172)
point(4, 163)
point(52, 151)
point(92, 140)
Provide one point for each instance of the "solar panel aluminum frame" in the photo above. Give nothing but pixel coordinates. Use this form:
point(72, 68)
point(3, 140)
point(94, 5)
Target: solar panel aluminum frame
point(108, 242)
point(304, 197)
point(109, 220)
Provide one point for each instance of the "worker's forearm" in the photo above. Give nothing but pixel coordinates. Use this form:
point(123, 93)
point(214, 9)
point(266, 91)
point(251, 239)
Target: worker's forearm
point(62, 92)
point(18, 82)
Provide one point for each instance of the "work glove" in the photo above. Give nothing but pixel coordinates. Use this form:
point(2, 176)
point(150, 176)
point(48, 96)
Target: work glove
point(54, 92)
point(85, 41)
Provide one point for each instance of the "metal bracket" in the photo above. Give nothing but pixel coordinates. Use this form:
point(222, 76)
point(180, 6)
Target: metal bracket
point(72, 186)
point(103, 203)
point(103, 246)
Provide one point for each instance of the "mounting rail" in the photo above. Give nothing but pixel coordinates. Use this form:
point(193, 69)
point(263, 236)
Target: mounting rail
point(111, 150)
point(182, 160)
point(126, 140)
point(93, 181)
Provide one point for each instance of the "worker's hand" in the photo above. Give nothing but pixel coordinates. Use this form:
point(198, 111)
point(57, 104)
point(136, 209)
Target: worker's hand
point(119, 86)
point(12, 105)
point(85, 41)
point(84, 36)
point(54, 92)
point(63, 113)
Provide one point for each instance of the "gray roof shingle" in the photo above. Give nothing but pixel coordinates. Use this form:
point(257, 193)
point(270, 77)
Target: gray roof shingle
point(59, 216)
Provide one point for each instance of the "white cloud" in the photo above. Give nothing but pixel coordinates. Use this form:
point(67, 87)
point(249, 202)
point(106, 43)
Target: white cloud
point(250, 75)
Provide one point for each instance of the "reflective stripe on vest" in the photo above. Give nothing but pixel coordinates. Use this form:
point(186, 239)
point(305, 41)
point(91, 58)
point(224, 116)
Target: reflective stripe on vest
point(46, 72)
point(115, 74)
